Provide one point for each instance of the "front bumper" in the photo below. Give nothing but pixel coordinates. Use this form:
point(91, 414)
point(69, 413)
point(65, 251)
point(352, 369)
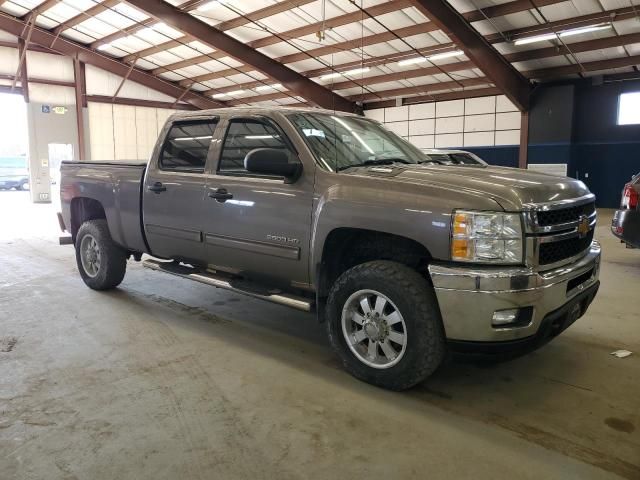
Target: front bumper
point(469, 297)
point(626, 226)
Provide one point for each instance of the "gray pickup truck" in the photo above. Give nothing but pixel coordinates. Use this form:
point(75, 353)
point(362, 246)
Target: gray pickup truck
point(405, 259)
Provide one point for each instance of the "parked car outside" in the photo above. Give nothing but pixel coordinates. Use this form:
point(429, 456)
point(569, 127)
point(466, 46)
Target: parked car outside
point(14, 173)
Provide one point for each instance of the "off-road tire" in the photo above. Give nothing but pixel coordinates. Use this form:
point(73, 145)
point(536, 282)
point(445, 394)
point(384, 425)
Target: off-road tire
point(415, 299)
point(113, 264)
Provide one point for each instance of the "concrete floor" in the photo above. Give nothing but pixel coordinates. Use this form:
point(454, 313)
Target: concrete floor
point(166, 379)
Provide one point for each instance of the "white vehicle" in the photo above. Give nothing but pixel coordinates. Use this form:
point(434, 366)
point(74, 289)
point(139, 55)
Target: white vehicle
point(454, 157)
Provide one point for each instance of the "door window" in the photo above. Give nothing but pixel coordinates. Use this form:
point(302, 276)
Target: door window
point(186, 146)
point(244, 135)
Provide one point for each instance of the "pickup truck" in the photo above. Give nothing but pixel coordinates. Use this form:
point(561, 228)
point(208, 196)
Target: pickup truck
point(405, 259)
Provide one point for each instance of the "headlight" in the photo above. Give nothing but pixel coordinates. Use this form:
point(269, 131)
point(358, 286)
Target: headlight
point(486, 237)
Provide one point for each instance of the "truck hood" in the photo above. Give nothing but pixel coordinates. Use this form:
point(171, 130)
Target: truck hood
point(513, 189)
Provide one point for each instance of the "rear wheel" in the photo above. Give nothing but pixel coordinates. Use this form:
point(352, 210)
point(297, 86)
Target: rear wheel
point(384, 324)
point(101, 263)
point(24, 186)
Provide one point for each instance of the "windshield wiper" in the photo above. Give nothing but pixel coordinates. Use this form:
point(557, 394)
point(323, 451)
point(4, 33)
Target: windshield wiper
point(380, 161)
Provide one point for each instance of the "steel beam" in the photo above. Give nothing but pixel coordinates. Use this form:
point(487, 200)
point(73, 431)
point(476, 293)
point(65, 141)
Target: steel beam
point(523, 154)
point(72, 49)
point(22, 70)
point(437, 97)
point(293, 81)
point(479, 51)
point(136, 102)
point(574, 69)
point(81, 99)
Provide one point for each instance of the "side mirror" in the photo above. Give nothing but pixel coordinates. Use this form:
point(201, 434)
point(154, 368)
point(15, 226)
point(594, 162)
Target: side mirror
point(271, 161)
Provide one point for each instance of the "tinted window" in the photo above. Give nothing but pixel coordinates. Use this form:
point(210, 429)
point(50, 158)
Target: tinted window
point(244, 135)
point(187, 145)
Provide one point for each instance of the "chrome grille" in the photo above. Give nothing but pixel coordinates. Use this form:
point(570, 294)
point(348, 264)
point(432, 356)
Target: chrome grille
point(554, 252)
point(557, 234)
point(564, 215)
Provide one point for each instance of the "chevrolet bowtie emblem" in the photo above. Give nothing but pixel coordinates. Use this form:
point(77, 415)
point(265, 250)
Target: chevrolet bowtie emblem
point(583, 226)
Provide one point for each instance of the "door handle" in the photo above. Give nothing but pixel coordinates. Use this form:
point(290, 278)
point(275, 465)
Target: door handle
point(157, 188)
point(220, 195)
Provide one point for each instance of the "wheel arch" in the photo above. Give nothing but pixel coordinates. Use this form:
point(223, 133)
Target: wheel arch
point(84, 209)
point(346, 247)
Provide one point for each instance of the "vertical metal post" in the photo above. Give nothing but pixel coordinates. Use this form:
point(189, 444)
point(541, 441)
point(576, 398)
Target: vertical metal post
point(81, 103)
point(22, 72)
point(523, 158)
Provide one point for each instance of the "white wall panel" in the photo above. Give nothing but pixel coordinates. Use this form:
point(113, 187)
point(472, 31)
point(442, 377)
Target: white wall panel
point(396, 114)
point(449, 140)
point(503, 104)
point(50, 67)
point(422, 110)
point(508, 121)
point(146, 131)
point(51, 94)
point(375, 114)
point(101, 131)
point(456, 123)
point(479, 139)
point(423, 141)
point(508, 137)
point(422, 127)
point(101, 82)
point(450, 108)
point(8, 60)
point(480, 123)
point(401, 128)
point(475, 106)
point(124, 132)
point(162, 114)
point(449, 125)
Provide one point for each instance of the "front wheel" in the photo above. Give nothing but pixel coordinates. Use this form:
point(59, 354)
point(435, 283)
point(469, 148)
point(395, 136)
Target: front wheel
point(101, 263)
point(384, 323)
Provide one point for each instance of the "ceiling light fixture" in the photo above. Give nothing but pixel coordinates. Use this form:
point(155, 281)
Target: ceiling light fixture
point(262, 88)
point(355, 71)
point(411, 61)
point(104, 46)
point(565, 33)
point(436, 56)
point(227, 94)
point(440, 56)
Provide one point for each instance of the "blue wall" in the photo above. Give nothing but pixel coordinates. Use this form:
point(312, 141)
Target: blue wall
point(576, 124)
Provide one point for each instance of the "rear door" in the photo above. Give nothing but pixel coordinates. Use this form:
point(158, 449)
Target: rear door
point(174, 191)
point(262, 228)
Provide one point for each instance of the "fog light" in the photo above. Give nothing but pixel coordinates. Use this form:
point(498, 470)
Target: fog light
point(504, 317)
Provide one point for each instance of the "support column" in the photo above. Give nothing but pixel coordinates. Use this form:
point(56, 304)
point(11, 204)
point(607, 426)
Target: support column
point(523, 158)
point(81, 104)
point(23, 75)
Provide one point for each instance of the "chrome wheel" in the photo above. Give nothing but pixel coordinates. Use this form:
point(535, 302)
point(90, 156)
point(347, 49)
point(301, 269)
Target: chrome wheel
point(374, 329)
point(90, 255)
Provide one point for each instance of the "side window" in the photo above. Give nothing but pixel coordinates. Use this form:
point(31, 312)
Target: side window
point(244, 135)
point(186, 146)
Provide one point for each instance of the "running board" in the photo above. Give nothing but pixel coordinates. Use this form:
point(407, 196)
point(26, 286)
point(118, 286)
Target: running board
point(227, 283)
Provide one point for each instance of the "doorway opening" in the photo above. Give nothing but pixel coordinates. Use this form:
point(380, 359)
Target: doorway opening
point(14, 144)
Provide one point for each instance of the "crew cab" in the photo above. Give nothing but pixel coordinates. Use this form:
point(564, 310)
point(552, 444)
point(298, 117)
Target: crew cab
point(405, 259)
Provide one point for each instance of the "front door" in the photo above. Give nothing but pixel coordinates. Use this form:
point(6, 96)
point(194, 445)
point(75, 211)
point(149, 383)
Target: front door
point(257, 225)
point(174, 190)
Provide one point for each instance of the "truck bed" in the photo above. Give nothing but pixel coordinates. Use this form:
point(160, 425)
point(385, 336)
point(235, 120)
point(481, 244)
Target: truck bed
point(117, 186)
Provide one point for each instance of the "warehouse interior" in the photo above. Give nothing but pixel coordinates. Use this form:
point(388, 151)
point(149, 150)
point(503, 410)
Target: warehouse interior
point(162, 378)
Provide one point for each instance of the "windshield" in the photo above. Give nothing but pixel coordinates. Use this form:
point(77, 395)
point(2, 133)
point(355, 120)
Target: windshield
point(341, 142)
